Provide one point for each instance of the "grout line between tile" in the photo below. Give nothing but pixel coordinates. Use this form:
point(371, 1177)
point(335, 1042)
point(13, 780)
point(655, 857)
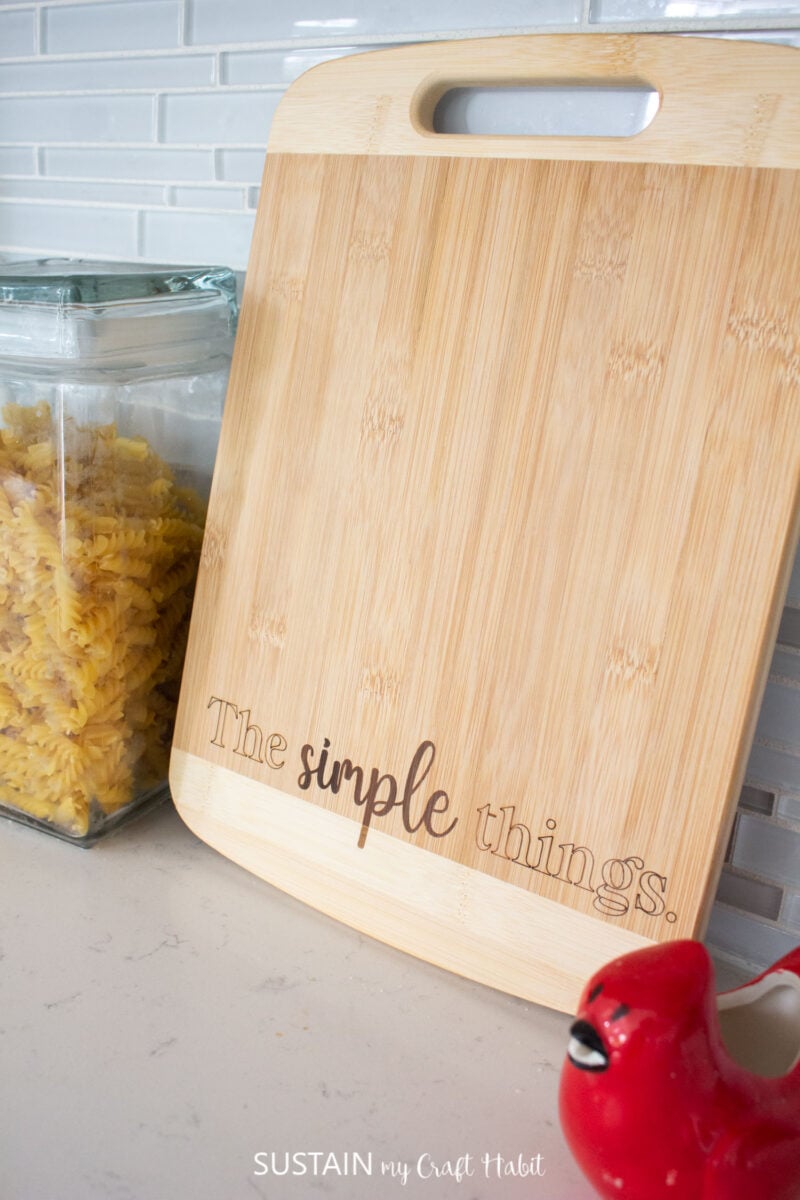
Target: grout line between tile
point(38, 29)
point(787, 748)
point(125, 205)
point(183, 23)
point(155, 116)
point(731, 25)
point(380, 40)
point(205, 146)
point(386, 40)
point(196, 89)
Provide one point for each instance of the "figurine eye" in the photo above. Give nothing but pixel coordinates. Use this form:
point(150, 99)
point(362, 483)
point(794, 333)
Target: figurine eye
point(586, 1050)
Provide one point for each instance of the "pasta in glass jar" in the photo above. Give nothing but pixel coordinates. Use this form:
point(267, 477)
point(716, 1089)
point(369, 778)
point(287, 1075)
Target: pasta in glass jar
point(112, 382)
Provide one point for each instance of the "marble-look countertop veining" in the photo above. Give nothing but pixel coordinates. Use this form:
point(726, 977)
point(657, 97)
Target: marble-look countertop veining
point(165, 1017)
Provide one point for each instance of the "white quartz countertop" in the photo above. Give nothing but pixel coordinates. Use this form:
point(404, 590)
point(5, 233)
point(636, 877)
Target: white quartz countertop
point(166, 1016)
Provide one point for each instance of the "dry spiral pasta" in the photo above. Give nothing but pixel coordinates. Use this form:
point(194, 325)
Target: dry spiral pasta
point(98, 553)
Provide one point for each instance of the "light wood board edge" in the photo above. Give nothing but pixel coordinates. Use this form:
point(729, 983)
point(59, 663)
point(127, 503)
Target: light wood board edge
point(721, 102)
point(454, 917)
point(739, 772)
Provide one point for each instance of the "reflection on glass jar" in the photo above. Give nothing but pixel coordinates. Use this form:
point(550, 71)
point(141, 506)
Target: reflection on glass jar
point(112, 382)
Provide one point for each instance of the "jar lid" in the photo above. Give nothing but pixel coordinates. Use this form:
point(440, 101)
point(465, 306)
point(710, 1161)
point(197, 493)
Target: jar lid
point(52, 309)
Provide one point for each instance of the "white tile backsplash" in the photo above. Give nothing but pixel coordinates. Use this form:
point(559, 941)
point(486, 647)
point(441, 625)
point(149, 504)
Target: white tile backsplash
point(702, 10)
point(785, 666)
point(104, 74)
point(757, 800)
point(280, 67)
point(132, 163)
point(103, 192)
point(17, 33)
point(141, 25)
point(779, 718)
point(755, 942)
point(184, 237)
point(212, 22)
point(778, 37)
point(791, 911)
point(222, 116)
point(244, 165)
point(767, 849)
point(789, 631)
point(789, 807)
point(60, 118)
point(774, 767)
point(793, 596)
point(63, 229)
point(137, 129)
point(206, 197)
point(753, 895)
point(17, 160)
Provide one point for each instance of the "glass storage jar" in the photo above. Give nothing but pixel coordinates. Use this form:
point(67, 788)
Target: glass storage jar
point(112, 383)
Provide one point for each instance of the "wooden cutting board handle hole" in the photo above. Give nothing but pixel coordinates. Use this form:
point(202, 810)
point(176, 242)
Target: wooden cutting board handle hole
point(546, 110)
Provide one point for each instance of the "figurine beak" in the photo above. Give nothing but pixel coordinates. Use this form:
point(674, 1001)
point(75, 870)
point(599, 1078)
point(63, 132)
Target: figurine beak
point(586, 1050)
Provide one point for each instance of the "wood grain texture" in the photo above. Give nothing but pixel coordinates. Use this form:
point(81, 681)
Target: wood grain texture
point(505, 502)
point(460, 919)
point(721, 102)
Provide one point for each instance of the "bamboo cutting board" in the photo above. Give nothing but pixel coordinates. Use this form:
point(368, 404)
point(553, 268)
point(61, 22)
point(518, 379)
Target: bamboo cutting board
point(504, 506)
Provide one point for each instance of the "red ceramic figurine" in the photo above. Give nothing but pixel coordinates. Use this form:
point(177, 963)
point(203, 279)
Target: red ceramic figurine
point(670, 1092)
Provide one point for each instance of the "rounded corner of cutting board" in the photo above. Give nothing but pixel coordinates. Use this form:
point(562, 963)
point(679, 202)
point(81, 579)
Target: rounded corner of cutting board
point(424, 904)
point(178, 761)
